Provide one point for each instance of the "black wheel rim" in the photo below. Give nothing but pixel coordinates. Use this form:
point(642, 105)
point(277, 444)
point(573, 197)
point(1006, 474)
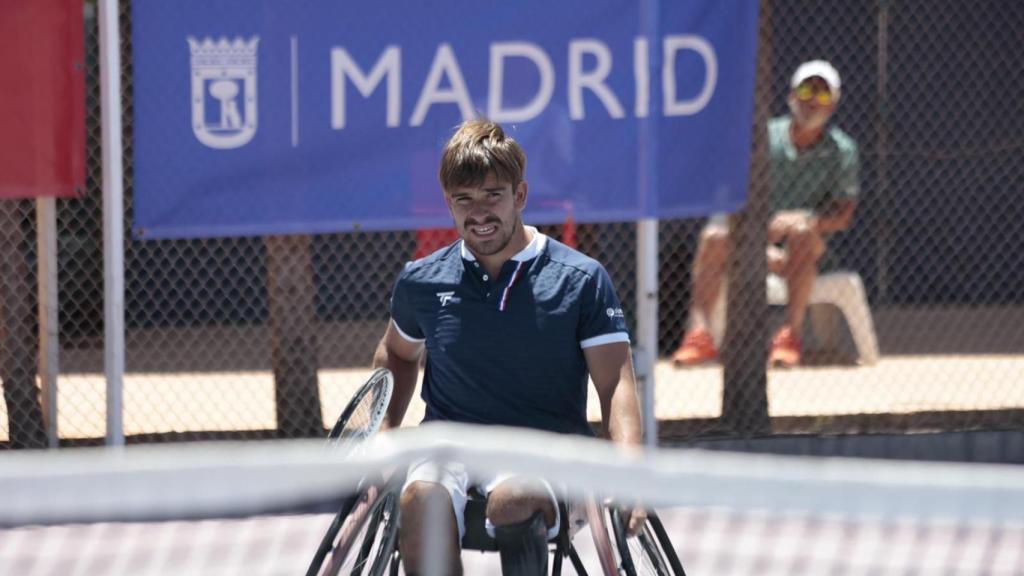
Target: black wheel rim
point(666, 545)
point(621, 543)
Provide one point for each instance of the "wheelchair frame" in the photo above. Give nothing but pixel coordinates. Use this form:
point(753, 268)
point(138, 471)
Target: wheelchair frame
point(364, 535)
point(365, 529)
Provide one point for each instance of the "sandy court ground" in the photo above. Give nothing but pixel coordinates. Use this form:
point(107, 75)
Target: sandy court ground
point(232, 401)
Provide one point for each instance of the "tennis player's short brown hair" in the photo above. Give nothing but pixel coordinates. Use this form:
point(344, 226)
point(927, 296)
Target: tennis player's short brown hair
point(477, 149)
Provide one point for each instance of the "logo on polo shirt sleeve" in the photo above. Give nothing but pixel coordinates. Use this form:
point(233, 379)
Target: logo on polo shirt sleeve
point(614, 313)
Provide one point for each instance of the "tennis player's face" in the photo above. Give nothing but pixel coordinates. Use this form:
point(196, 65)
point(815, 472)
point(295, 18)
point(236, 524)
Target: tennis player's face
point(487, 217)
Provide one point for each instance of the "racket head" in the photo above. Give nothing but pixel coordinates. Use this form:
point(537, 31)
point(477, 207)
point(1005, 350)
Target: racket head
point(365, 412)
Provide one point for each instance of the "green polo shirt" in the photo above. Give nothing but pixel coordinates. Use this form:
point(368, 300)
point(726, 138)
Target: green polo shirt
point(810, 179)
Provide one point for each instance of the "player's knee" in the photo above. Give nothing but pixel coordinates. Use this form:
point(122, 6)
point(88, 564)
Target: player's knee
point(514, 502)
point(417, 496)
point(715, 242)
point(715, 236)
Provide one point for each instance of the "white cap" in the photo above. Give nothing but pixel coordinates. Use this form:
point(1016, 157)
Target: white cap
point(821, 69)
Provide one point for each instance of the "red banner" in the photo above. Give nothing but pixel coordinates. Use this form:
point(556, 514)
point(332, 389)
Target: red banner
point(42, 98)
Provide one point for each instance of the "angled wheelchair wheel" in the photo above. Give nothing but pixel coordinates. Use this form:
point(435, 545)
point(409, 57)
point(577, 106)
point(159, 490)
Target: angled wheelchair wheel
point(327, 542)
point(649, 552)
point(363, 537)
point(596, 517)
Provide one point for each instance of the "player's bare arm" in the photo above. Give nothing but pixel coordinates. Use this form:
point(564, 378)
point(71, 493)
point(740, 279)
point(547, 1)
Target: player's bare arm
point(402, 357)
point(611, 369)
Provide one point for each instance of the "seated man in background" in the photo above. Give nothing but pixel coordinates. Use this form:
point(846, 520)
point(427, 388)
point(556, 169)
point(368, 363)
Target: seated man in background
point(513, 323)
point(814, 189)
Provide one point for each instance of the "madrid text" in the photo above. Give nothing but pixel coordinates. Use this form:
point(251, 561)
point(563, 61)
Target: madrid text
point(589, 64)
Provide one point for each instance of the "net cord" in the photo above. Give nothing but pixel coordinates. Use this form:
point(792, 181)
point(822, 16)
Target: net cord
point(230, 479)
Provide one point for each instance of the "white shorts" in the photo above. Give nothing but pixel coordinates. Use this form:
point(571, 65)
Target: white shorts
point(455, 479)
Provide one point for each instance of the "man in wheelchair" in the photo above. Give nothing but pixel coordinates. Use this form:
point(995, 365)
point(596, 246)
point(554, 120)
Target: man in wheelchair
point(512, 323)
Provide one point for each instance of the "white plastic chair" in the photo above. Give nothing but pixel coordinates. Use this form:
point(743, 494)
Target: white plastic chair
point(842, 290)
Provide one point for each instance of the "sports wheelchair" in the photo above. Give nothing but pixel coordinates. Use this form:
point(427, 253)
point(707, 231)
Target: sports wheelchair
point(362, 539)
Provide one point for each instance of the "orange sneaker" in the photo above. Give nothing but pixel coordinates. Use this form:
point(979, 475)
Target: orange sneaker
point(697, 347)
point(786, 348)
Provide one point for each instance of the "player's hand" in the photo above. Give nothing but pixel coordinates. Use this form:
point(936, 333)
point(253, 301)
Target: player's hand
point(786, 222)
point(634, 518)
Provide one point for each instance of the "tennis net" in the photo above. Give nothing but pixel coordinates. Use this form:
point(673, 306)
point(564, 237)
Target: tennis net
point(262, 507)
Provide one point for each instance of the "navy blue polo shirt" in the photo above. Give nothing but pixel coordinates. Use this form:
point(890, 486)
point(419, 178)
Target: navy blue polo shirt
point(508, 350)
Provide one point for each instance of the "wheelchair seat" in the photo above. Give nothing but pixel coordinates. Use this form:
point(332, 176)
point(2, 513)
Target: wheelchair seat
point(476, 537)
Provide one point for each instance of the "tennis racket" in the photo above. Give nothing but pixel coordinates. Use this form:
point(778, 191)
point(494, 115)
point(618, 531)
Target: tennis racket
point(361, 418)
point(364, 414)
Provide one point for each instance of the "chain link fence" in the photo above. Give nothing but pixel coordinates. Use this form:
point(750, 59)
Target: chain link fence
point(936, 240)
point(267, 337)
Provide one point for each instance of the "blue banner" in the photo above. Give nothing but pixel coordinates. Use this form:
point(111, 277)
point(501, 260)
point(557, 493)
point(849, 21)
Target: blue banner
point(278, 117)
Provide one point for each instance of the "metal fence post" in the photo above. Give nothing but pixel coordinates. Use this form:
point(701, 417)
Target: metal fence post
point(744, 353)
point(113, 218)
